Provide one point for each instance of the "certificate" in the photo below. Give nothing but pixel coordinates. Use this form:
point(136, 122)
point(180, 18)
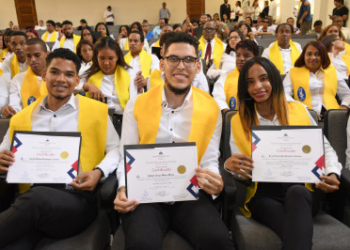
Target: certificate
point(44, 157)
point(293, 154)
point(161, 172)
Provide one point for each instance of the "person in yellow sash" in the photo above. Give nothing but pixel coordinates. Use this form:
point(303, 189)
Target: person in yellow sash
point(341, 62)
point(123, 35)
point(108, 79)
point(166, 29)
point(60, 211)
point(26, 87)
point(315, 82)
point(141, 63)
point(124, 43)
point(67, 39)
point(176, 112)
point(284, 52)
point(157, 76)
point(6, 49)
point(335, 30)
point(286, 208)
point(226, 87)
point(51, 34)
point(211, 46)
point(16, 63)
point(85, 53)
point(4, 92)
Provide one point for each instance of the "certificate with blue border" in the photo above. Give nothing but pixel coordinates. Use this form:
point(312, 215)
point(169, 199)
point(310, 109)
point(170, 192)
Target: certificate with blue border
point(161, 172)
point(44, 157)
point(291, 154)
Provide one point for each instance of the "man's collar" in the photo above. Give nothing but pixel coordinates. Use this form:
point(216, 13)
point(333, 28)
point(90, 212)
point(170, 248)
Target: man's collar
point(187, 99)
point(70, 102)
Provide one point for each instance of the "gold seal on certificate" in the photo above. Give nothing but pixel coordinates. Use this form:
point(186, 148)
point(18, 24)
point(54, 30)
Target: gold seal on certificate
point(181, 169)
point(306, 149)
point(64, 155)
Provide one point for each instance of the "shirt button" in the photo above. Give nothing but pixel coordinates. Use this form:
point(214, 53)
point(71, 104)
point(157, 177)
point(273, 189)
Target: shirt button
point(172, 112)
point(171, 129)
point(54, 116)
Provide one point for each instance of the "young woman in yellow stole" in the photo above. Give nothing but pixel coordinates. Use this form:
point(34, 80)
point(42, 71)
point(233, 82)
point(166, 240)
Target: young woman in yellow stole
point(287, 209)
point(315, 82)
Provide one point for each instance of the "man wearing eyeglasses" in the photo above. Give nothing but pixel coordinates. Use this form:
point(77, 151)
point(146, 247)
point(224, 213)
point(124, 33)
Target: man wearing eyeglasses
point(210, 46)
point(167, 112)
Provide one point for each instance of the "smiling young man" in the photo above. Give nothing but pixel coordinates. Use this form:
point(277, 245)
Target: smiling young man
point(141, 62)
point(28, 86)
point(175, 107)
point(67, 39)
point(16, 63)
point(284, 52)
point(60, 211)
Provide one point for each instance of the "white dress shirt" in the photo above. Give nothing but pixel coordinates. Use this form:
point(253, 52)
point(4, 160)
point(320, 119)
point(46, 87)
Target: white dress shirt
point(135, 65)
point(49, 35)
point(68, 44)
point(84, 67)
point(212, 42)
point(4, 92)
point(228, 61)
point(109, 91)
point(65, 119)
point(340, 66)
point(273, 10)
point(199, 81)
point(287, 62)
point(106, 14)
point(219, 92)
point(6, 67)
point(15, 100)
point(331, 158)
point(316, 86)
point(174, 127)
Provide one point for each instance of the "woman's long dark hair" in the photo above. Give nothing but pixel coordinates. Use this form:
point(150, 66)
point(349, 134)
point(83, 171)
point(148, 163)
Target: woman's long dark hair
point(98, 24)
point(228, 47)
point(105, 42)
point(91, 32)
point(278, 99)
point(322, 50)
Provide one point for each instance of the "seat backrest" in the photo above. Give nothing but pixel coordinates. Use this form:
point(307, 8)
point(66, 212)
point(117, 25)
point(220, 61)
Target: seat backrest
point(4, 125)
point(335, 123)
point(152, 40)
point(226, 131)
point(261, 50)
point(314, 115)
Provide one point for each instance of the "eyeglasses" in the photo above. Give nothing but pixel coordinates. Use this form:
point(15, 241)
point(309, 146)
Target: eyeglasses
point(265, 21)
point(209, 29)
point(234, 38)
point(188, 61)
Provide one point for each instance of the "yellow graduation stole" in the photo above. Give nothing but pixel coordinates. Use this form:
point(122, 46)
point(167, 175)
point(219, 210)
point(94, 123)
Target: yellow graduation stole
point(3, 54)
point(126, 46)
point(156, 44)
point(205, 115)
point(347, 48)
point(297, 116)
point(92, 115)
point(231, 88)
point(121, 83)
point(218, 50)
point(30, 91)
point(1, 72)
point(276, 55)
point(76, 40)
point(14, 66)
point(155, 78)
point(300, 79)
point(53, 37)
point(145, 62)
point(346, 60)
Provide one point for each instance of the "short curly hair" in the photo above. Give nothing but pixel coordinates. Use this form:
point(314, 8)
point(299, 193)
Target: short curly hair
point(250, 45)
point(64, 54)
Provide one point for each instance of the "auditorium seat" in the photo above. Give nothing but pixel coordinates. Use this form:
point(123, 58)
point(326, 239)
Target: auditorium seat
point(248, 234)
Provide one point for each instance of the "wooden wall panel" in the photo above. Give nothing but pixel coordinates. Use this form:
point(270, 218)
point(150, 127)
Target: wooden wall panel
point(26, 13)
point(195, 8)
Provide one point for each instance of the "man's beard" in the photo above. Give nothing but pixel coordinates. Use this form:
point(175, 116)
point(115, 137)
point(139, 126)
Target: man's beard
point(177, 91)
point(69, 36)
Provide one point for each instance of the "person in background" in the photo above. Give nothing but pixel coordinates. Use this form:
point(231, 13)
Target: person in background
point(216, 17)
point(50, 35)
point(265, 29)
point(273, 11)
point(304, 17)
point(15, 27)
point(58, 27)
point(88, 35)
point(249, 21)
point(164, 13)
point(7, 49)
point(41, 26)
point(225, 8)
point(85, 53)
point(109, 16)
point(145, 27)
point(257, 11)
point(31, 33)
point(124, 31)
point(266, 8)
point(317, 29)
point(158, 29)
point(103, 29)
point(340, 10)
point(246, 30)
point(69, 40)
point(338, 20)
point(83, 24)
point(296, 30)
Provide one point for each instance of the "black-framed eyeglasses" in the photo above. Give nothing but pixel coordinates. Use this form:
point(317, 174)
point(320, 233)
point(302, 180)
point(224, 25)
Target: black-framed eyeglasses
point(188, 61)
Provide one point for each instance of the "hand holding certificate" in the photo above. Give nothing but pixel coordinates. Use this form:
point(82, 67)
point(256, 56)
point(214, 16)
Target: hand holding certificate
point(161, 172)
point(293, 154)
point(42, 157)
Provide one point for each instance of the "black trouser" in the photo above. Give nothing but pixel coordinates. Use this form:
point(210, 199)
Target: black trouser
point(196, 221)
point(46, 211)
point(288, 211)
point(110, 23)
point(118, 122)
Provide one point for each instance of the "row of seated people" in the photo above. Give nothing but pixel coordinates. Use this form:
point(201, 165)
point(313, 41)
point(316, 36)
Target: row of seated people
point(176, 107)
